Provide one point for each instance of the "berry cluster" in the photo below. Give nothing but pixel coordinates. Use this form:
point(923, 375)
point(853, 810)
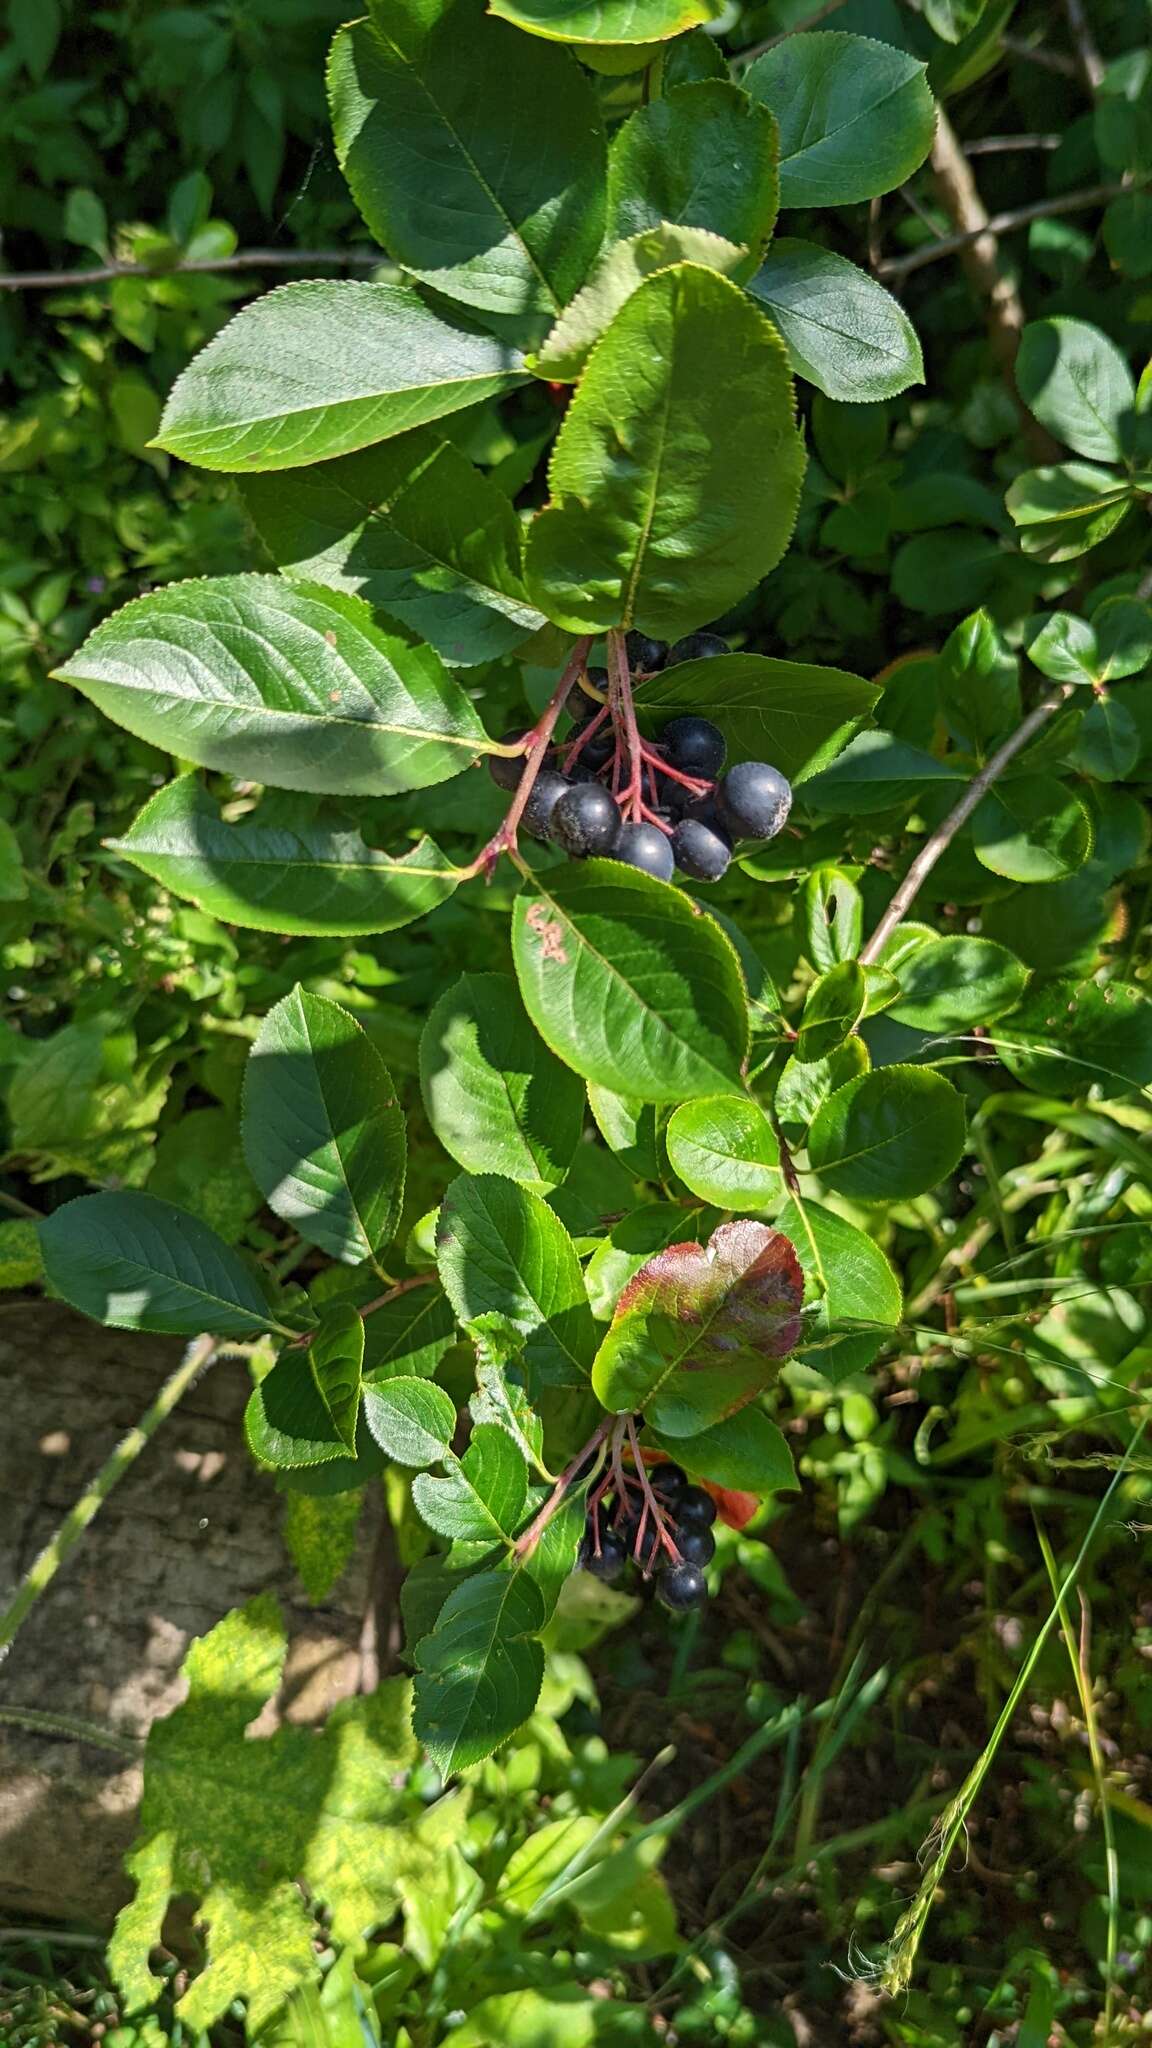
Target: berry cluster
point(655, 806)
point(663, 1524)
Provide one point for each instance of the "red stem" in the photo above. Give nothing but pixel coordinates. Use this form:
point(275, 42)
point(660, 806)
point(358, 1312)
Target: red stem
point(526, 1543)
point(624, 717)
point(504, 841)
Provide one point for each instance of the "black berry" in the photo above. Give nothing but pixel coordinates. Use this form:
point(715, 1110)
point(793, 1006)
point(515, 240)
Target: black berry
point(695, 1509)
point(598, 751)
point(612, 1557)
point(696, 745)
point(754, 800)
point(647, 848)
point(667, 1479)
point(696, 1546)
point(585, 821)
point(699, 851)
point(506, 769)
point(696, 647)
point(680, 1586)
point(645, 655)
point(547, 790)
point(581, 703)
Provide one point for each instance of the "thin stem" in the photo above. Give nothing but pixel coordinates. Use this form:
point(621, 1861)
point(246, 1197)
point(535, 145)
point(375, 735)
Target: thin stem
point(244, 259)
point(1088, 57)
point(994, 145)
point(379, 1301)
point(41, 1573)
point(998, 224)
point(1034, 53)
point(651, 1507)
point(504, 841)
point(939, 840)
point(526, 1544)
point(624, 715)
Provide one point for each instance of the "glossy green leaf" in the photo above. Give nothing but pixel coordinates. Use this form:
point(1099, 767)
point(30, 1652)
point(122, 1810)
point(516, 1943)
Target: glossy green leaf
point(502, 1252)
point(137, 1263)
point(952, 20)
point(979, 682)
point(855, 1295)
point(724, 1150)
point(410, 1335)
point(704, 157)
point(888, 1136)
point(280, 683)
point(875, 772)
point(833, 914)
point(629, 1128)
point(833, 1008)
point(692, 57)
point(856, 117)
point(600, 22)
point(496, 1098)
point(1115, 642)
point(411, 1420)
point(631, 1242)
point(288, 1424)
point(414, 528)
point(802, 1088)
point(336, 1360)
point(1069, 1035)
point(842, 330)
point(479, 1672)
point(793, 713)
point(954, 982)
point(1031, 830)
point(629, 984)
point(1078, 385)
point(621, 270)
point(680, 447)
point(481, 1498)
point(323, 1131)
point(1061, 512)
point(748, 1453)
point(314, 370)
point(281, 868)
point(470, 203)
point(1108, 743)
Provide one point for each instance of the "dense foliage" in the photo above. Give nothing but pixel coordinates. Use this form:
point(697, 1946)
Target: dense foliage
point(575, 892)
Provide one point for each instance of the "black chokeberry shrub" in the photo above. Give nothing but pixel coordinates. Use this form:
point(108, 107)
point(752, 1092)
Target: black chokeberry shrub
point(696, 647)
point(695, 744)
point(696, 1546)
point(701, 852)
point(612, 1556)
point(754, 800)
point(547, 790)
point(506, 769)
point(669, 1480)
point(695, 1508)
point(645, 655)
point(585, 821)
point(680, 1586)
point(647, 848)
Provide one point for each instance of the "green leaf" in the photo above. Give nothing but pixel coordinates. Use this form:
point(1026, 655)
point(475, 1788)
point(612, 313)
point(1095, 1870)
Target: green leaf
point(952, 20)
point(704, 157)
point(700, 1329)
point(833, 1008)
point(1031, 830)
point(979, 682)
point(320, 1536)
point(137, 1263)
point(1108, 744)
point(1078, 385)
point(414, 528)
point(1116, 642)
point(600, 22)
point(21, 1264)
point(843, 331)
point(631, 1242)
point(856, 117)
point(13, 880)
point(692, 57)
point(281, 868)
point(888, 1136)
point(621, 270)
point(410, 1334)
point(411, 1420)
point(855, 1294)
point(1127, 232)
point(479, 1673)
point(482, 1498)
point(512, 227)
point(629, 984)
point(875, 772)
point(747, 1453)
point(954, 982)
point(1070, 1035)
point(501, 1250)
point(679, 447)
point(723, 1149)
point(314, 370)
point(793, 713)
point(1062, 512)
point(496, 1098)
point(336, 1359)
point(629, 1128)
point(801, 1089)
point(323, 1131)
point(280, 683)
point(833, 911)
point(288, 1425)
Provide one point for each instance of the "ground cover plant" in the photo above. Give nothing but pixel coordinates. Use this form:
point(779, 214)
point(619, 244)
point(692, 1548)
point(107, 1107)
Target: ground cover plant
point(620, 944)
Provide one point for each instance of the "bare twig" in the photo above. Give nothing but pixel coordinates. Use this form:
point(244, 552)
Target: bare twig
point(1091, 63)
point(979, 252)
point(998, 224)
point(996, 145)
point(244, 259)
point(1034, 53)
point(939, 840)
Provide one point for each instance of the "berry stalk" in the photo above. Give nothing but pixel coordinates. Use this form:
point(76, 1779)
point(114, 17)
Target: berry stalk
point(504, 839)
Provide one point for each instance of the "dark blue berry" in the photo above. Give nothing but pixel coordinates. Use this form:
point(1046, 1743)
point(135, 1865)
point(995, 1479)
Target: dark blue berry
point(696, 745)
point(701, 852)
point(754, 800)
point(583, 704)
point(696, 1546)
point(612, 1557)
point(598, 751)
point(696, 647)
point(585, 821)
point(547, 790)
point(647, 848)
point(680, 1586)
point(695, 1508)
point(668, 1479)
point(506, 769)
point(645, 655)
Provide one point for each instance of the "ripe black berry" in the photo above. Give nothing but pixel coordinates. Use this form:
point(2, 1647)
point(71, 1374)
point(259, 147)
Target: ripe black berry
point(667, 1479)
point(645, 655)
point(612, 1557)
point(547, 790)
point(696, 647)
point(754, 800)
point(701, 852)
point(680, 1586)
point(695, 744)
point(506, 769)
point(581, 703)
point(585, 820)
point(647, 848)
point(695, 1508)
point(696, 1546)
point(598, 751)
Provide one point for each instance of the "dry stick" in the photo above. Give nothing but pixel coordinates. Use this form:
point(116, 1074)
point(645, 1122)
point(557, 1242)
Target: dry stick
point(995, 145)
point(998, 224)
point(979, 253)
point(57, 1552)
point(1033, 53)
point(1088, 56)
point(244, 259)
point(945, 833)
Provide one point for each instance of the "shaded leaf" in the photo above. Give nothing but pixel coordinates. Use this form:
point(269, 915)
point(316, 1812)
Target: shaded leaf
point(496, 1098)
point(855, 1295)
point(336, 1358)
point(1069, 1035)
point(479, 1672)
point(833, 1008)
point(137, 1263)
point(620, 271)
point(1031, 830)
point(1078, 385)
point(795, 714)
point(843, 331)
point(702, 157)
point(955, 981)
point(747, 1453)
point(889, 1135)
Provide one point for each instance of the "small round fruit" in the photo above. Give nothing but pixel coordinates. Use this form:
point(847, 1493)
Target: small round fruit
point(647, 848)
point(699, 852)
point(598, 751)
point(547, 791)
point(583, 704)
point(585, 821)
point(612, 1557)
point(696, 745)
point(695, 1509)
point(645, 656)
point(667, 1479)
point(696, 1546)
point(506, 769)
point(696, 647)
point(681, 1586)
point(754, 800)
